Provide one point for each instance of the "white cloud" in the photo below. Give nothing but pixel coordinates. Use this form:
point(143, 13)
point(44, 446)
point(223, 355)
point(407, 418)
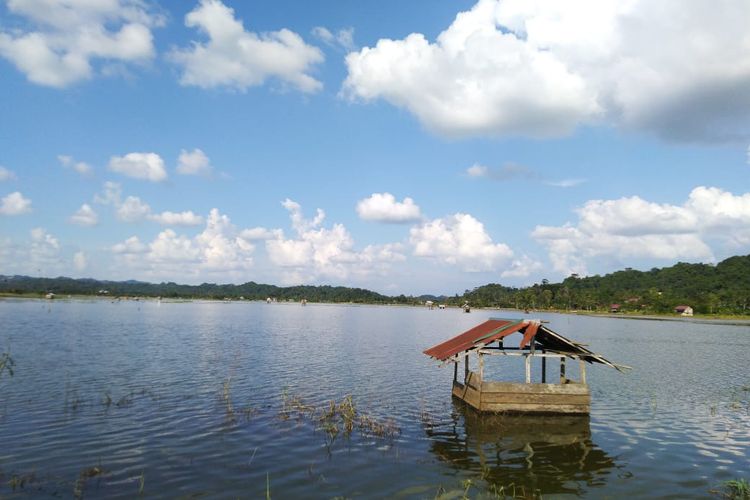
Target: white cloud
point(319, 252)
point(65, 37)
point(234, 57)
point(509, 171)
point(110, 195)
point(187, 218)
point(218, 250)
point(629, 228)
point(383, 207)
point(522, 268)
point(544, 67)
point(85, 216)
point(566, 183)
point(461, 240)
point(261, 233)
point(133, 210)
point(78, 166)
point(44, 252)
point(193, 163)
point(6, 175)
point(14, 204)
point(147, 166)
point(343, 39)
point(79, 261)
point(130, 246)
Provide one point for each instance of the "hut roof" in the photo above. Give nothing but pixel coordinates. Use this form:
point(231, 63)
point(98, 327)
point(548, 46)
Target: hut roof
point(495, 329)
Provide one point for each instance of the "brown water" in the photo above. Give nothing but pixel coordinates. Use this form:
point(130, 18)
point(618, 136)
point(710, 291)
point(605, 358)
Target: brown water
point(226, 399)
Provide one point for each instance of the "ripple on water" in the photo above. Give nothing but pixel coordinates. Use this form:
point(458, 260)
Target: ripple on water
point(187, 399)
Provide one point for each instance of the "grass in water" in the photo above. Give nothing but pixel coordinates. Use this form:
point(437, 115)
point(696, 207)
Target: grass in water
point(735, 489)
point(6, 363)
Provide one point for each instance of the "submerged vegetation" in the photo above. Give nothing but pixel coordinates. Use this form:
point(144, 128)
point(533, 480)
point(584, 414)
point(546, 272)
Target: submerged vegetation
point(6, 364)
point(734, 489)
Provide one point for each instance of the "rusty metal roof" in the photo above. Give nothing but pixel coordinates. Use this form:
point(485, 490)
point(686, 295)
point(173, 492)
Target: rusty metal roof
point(495, 329)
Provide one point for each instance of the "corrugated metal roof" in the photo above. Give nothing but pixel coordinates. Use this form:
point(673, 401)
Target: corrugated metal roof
point(494, 329)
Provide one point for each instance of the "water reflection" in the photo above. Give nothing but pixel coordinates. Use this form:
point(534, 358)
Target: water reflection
point(542, 454)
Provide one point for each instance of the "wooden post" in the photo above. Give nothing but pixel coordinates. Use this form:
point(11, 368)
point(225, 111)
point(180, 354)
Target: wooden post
point(583, 370)
point(455, 371)
point(481, 366)
point(544, 369)
point(528, 368)
point(562, 370)
point(466, 368)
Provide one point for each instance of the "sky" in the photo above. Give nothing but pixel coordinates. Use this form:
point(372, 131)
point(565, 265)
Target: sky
point(428, 146)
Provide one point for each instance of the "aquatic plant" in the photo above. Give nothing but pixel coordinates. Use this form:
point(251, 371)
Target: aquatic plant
point(86, 474)
point(734, 489)
point(6, 363)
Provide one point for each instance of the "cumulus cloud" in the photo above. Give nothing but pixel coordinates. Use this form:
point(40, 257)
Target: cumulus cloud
point(147, 166)
point(85, 216)
point(342, 39)
point(629, 228)
point(65, 41)
point(14, 204)
point(236, 58)
point(383, 207)
point(44, 251)
point(319, 252)
point(218, 250)
point(6, 175)
point(133, 210)
point(187, 218)
point(522, 267)
point(544, 67)
point(80, 167)
point(194, 162)
point(461, 240)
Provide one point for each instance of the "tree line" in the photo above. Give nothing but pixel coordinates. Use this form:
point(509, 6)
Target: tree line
point(723, 288)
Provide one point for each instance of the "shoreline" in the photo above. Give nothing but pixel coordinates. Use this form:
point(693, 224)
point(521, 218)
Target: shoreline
point(710, 320)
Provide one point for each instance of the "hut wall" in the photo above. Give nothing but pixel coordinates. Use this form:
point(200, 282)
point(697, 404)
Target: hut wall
point(570, 398)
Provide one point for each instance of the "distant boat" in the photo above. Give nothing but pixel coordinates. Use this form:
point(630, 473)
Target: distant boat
point(466, 307)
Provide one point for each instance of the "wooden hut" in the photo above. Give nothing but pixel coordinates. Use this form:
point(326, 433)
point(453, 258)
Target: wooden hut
point(562, 396)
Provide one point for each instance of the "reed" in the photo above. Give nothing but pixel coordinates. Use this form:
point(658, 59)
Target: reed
point(6, 363)
point(734, 489)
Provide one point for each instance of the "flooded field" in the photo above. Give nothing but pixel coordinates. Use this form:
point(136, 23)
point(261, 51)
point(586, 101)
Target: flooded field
point(249, 399)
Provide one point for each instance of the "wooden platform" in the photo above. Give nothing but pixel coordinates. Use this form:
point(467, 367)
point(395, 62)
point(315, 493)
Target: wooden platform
point(571, 398)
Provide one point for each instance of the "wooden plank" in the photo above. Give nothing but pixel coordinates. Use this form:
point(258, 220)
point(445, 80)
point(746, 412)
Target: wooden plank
point(535, 388)
point(528, 369)
point(583, 371)
point(536, 408)
point(474, 381)
point(467, 394)
point(550, 399)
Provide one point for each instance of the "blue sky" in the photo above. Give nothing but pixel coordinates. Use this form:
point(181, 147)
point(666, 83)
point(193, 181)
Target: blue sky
point(446, 144)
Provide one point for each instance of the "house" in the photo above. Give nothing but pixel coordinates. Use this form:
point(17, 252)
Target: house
point(614, 308)
point(684, 310)
point(551, 395)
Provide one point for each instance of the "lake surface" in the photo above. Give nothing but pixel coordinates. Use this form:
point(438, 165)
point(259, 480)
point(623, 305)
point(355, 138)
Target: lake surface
point(228, 400)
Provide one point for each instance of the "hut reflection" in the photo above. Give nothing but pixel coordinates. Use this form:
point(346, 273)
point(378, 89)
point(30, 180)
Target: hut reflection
point(534, 454)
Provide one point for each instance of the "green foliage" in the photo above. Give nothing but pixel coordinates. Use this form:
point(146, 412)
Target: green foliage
point(720, 289)
point(723, 288)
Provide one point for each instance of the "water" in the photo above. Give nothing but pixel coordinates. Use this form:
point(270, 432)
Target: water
point(187, 399)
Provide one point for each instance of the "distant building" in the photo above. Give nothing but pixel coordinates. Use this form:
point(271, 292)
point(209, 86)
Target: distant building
point(684, 310)
point(614, 308)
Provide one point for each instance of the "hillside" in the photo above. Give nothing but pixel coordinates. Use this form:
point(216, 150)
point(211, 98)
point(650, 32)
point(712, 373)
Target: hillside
point(723, 288)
